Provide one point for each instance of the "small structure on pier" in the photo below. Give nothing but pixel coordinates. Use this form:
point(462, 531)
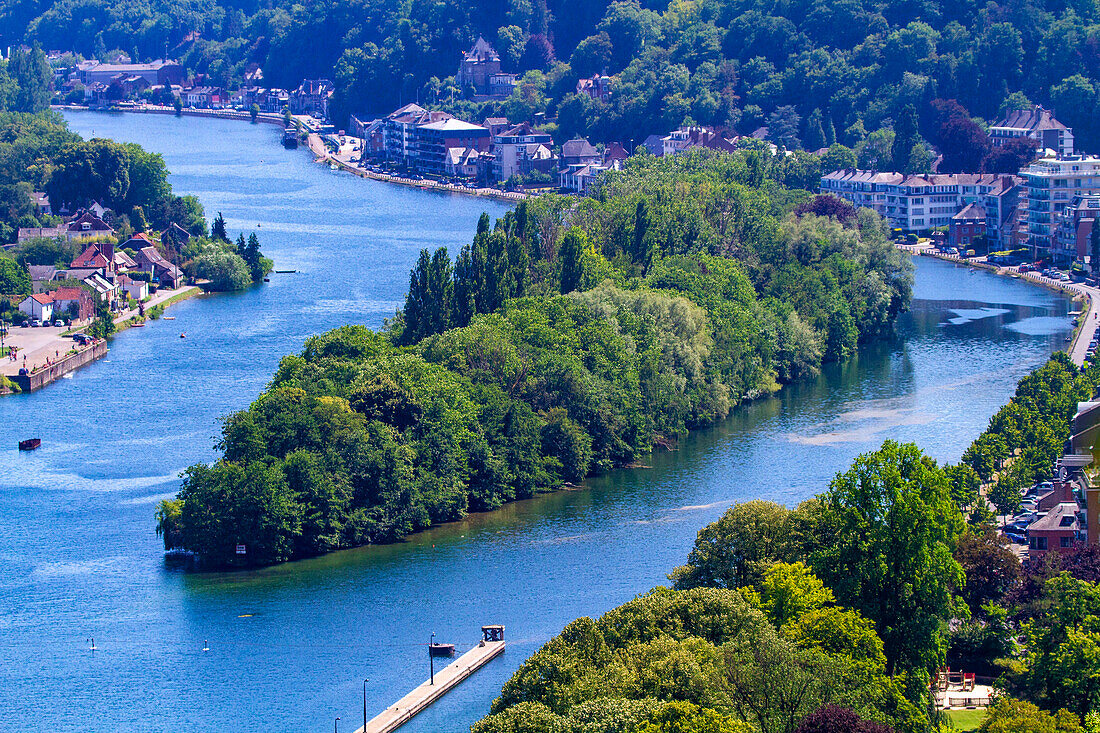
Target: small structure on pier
point(405, 709)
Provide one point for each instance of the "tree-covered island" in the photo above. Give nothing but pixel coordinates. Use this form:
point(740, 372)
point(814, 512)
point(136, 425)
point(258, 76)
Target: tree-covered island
point(570, 338)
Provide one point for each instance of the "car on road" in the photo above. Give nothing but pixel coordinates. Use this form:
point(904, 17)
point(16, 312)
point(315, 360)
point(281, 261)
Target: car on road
point(59, 323)
point(36, 323)
point(81, 338)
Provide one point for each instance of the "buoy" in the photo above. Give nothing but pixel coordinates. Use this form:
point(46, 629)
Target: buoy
point(92, 641)
point(205, 646)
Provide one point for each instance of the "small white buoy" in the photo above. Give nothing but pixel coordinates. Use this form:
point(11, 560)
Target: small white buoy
point(205, 646)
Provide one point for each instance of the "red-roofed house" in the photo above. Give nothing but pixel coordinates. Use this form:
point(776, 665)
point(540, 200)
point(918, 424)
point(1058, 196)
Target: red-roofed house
point(95, 257)
point(39, 305)
point(64, 298)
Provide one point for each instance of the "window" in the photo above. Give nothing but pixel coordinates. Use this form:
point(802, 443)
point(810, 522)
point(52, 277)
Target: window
point(1065, 542)
point(1040, 543)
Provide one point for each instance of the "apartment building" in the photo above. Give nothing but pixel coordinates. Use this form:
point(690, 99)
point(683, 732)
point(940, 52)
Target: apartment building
point(1052, 184)
point(521, 149)
point(919, 202)
point(1073, 229)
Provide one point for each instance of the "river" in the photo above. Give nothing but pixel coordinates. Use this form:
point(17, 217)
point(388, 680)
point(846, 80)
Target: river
point(290, 646)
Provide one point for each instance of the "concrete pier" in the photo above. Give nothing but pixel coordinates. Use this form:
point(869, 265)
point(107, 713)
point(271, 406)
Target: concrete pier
point(446, 679)
point(44, 375)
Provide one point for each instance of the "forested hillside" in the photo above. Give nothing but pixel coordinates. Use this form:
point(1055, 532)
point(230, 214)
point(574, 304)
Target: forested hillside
point(569, 339)
point(813, 71)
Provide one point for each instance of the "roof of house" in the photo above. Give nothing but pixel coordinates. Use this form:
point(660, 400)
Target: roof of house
point(482, 51)
point(175, 230)
point(139, 240)
point(1060, 517)
point(462, 156)
point(453, 124)
point(615, 151)
point(95, 224)
point(579, 148)
point(69, 293)
point(1032, 120)
point(970, 212)
point(36, 232)
point(41, 298)
point(409, 108)
point(41, 272)
point(90, 257)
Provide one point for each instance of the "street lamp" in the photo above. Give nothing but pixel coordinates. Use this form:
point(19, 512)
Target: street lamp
point(431, 659)
point(334, 725)
point(365, 704)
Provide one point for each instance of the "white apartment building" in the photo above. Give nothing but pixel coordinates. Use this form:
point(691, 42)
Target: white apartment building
point(919, 202)
point(1052, 184)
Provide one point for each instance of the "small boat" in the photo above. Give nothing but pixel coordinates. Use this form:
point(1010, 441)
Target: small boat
point(169, 318)
point(441, 650)
point(137, 325)
point(30, 443)
point(183, 335)
point(267, 279)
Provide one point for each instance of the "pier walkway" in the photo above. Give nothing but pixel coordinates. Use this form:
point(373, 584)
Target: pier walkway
point(423, 696)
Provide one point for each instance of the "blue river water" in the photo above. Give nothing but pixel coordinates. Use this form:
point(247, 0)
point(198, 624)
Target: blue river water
point(290, 646)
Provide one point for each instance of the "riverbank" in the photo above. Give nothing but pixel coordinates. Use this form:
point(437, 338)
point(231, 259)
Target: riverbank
point(322, 155)
point(155, 109)
point(48, 353)
point(1089, 296)
point(316, 145)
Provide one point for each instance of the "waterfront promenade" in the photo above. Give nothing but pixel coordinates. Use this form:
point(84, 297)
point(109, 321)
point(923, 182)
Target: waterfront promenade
point(39, 348)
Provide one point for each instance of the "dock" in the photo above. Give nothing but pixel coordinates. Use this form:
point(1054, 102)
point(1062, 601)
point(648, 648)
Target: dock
point(446, 679)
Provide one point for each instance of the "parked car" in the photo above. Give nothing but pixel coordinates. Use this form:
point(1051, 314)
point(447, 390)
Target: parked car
point(1018, 538)
point(36, 323)
point(59, 323)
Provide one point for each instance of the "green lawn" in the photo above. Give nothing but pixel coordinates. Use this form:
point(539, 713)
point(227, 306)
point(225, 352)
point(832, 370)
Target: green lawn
point(966, 720)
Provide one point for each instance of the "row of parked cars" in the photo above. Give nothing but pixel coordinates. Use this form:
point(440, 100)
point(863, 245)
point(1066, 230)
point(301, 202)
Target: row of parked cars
point(1093, 344)
point(36, 323)
point(1016, 530)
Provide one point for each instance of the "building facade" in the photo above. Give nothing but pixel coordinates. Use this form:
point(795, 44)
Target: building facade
point(1038, 124)
point(1052, 184)
point(434, 139)
point(1073, 229)
point(920, 202)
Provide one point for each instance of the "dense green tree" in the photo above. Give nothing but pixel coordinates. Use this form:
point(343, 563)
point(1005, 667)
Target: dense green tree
point(1008, 715)
point(572, 261)
point(890, 556)
point(14, 278)
point(32, 77)
point(217, 229)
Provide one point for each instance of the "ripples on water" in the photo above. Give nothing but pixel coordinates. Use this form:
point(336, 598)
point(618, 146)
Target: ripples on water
point(290, 645)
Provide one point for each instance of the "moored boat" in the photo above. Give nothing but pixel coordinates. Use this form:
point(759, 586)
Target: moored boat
point(30, 443)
